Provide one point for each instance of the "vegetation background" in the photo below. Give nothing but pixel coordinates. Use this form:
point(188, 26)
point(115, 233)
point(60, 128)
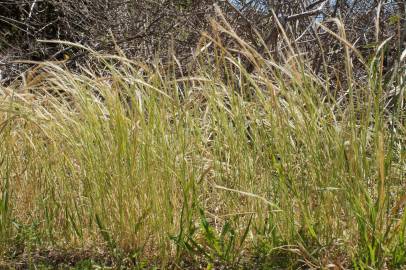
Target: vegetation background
point(181, 134)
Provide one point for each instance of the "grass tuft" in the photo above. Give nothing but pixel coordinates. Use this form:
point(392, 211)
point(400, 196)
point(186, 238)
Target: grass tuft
point(219, 167)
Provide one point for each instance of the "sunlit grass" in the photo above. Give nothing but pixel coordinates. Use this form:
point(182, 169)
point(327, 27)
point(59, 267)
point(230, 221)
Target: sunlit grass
point(220, 167)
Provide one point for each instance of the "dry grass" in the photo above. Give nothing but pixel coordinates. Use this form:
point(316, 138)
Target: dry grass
point(217, 168)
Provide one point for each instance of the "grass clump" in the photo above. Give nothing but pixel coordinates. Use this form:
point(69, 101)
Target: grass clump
point(134, 166)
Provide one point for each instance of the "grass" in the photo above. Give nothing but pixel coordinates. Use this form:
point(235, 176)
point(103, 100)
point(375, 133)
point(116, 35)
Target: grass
point(126, 165)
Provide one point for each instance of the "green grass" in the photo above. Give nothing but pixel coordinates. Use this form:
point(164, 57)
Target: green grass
point(130, 167)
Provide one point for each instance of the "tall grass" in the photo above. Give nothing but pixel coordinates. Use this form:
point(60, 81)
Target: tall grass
point(130, 165)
